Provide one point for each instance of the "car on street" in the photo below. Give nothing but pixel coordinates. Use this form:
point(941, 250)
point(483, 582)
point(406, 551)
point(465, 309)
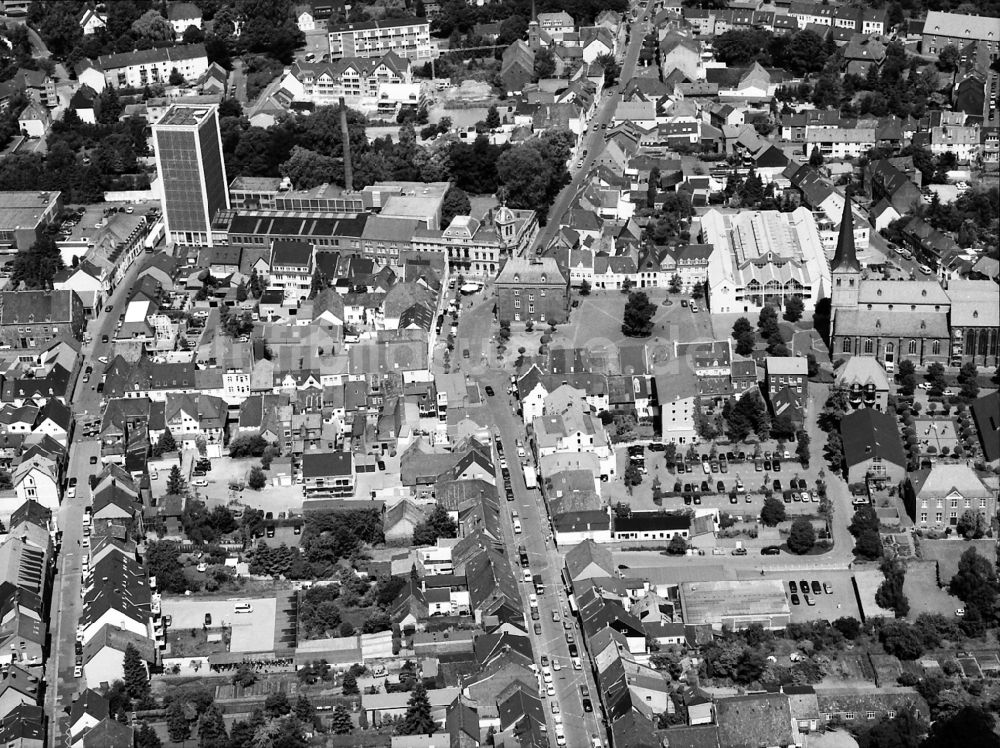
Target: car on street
point(77, 671)
point(556, 666)
point(925, 270)
point(587, 706)
point(808, 599)
point(109, 309)
point(93, 459)
point(103, 359)
point(739, 551)
point(538, 629)
point(770, 550)
point(200, 482)
point(555, 707)
point(555, 616)
point(71, 493)
point(577, 664)
point(551, 690)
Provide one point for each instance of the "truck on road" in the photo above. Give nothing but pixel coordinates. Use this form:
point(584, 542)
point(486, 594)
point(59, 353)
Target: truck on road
point(530, 476)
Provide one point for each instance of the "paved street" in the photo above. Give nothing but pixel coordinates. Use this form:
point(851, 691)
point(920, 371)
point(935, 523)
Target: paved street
point(547, 561)
point(595, 135)
point(66, 607)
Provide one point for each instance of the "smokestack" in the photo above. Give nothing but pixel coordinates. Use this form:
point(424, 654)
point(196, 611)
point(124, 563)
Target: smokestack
point(348, 170)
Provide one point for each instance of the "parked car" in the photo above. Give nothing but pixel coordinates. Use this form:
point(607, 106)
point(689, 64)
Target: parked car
point(817, 589)
point(792, 587)
point(770, 550)
point(795, 599)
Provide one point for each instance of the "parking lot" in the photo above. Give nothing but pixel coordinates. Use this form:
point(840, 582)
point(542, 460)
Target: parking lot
point(839, 602)
point(251, 632)
point(699, 488)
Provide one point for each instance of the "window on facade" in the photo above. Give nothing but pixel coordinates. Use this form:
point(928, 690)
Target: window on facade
point(938, 517)
point(849, 715)
point(869, 345)
point(936, 348)
point(912, 347)
point(869, 715)
point(847, 345)
point(923, 516)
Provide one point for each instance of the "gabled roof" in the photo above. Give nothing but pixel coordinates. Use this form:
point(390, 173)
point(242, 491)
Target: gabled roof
point(868, 433)
point(753, 721)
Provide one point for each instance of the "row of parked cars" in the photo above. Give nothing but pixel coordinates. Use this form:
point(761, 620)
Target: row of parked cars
point(805, 587)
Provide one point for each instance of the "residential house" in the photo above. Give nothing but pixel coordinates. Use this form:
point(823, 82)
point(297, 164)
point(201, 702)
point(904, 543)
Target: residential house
point(146, 67)
point(517, 67)
point(872, 447)
point(942, 29)
point(291, 269)
point(104, 653)
point(365, 83)
point(39, 479)
point(787, 373)
point(182, 15)
point(34, 120)
point(328, 473)
point(86, 102)
point(866, 704)
point(937, 498)
point(91, 20)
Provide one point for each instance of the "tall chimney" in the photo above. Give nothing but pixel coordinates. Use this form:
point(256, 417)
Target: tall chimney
point(348, 170)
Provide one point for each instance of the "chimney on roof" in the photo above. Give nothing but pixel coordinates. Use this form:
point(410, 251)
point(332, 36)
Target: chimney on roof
point(345, 133)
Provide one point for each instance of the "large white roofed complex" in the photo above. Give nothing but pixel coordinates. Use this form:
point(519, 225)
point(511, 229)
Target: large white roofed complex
point(764, 257)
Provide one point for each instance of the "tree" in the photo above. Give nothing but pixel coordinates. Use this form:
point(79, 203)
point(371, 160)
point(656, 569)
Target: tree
point(176, 78)
point(257, 478)
point(767, 323)
point(971, 725)
point(794, 308)
point(245, 676)
point(211, 728)
point(968, 378)
point(340, 722)
point(975, 584)
point(948, 59)
point(178, 727)
point(492, 117)
point(175, 481)
point(456, 203)
point(802, 448)
point(438, 524)
point(741, 327)
point(868, 545)
point(899, 639)
point(935, 376)
point(134, 674)
point(146, 737)
point(350, 684)
point(815, 158)
point(907, 374)
point(864, 518)
point(676, 283)
point(802, 536)
point(745, 343)
point(746, 416)
point(972, 524)
point(154, 27)
point(584, 288)
point(633, 477)
point(545, 64)
point(773, 512)
point(905, 730)
point(165, 443)
point(418, 719)
point(677, 546)
point(277, 704)
point(890, 593)
point(638, 319)
point(848, 626)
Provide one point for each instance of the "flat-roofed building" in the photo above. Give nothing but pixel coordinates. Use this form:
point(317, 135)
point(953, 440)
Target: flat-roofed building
point(736, 604)
point(23, 216)
point(764, 257)
point(407, 37)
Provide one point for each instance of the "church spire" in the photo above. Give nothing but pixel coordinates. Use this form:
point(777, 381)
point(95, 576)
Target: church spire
point(846, 256)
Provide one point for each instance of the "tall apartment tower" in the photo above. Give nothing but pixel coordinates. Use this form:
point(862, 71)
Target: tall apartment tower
point(192, 172)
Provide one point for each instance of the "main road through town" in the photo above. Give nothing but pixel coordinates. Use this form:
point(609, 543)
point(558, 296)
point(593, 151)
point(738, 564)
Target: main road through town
point(579, 726)
point(66, 604)
point(595, 135)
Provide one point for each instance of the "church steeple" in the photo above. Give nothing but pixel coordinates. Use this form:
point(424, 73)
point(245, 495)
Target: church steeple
point(846, 256)
point(845, 270)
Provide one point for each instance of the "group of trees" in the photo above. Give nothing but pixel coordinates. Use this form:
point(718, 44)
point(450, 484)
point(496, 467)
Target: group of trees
point(800, 53)
point(268, 28)
point(971, 217)
point(113, 149)
point(976, 585)
point(438, 524)
point(865, 529)
point(746, 416)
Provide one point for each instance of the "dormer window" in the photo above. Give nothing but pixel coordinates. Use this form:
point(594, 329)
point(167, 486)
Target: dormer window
point(975, 315)
point(879, 293)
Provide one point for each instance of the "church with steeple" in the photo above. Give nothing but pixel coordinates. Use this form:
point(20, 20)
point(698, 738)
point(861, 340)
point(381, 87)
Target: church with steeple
point(885, 319)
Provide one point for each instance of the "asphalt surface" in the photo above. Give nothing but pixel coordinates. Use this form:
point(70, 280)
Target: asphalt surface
point(67, 605)
point(595, 135)
point(546, 560)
